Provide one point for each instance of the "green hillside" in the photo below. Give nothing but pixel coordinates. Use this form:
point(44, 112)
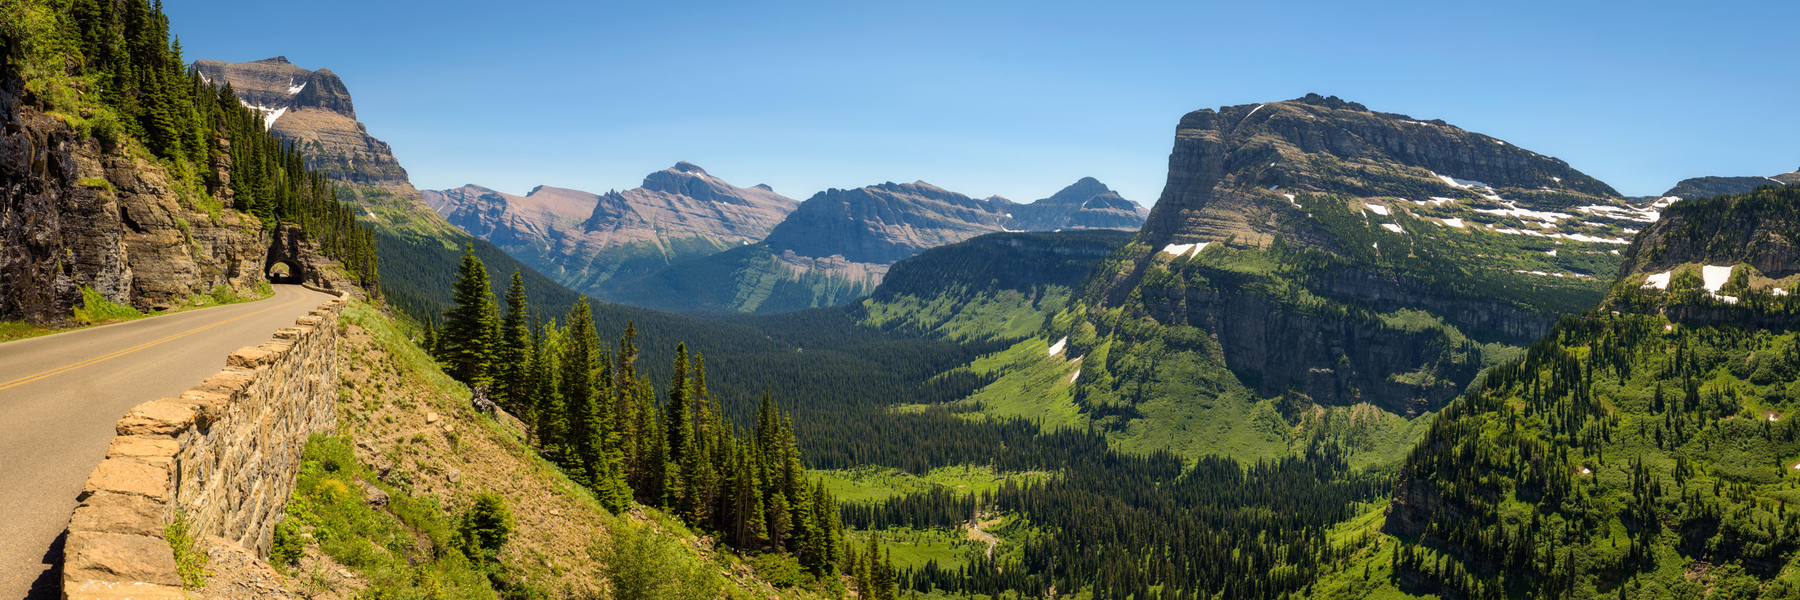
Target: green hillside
point(1629, 453)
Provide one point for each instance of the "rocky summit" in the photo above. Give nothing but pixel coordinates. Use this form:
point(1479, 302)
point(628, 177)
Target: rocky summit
point(591, 242)
point(313, 108)
point(1085, 204)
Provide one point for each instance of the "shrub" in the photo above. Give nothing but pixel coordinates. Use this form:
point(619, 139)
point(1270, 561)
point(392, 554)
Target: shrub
point(485, 527)
point(643, 566)
point(781, 570)
point(286, 549)
point(190, 560)
point(95, 308)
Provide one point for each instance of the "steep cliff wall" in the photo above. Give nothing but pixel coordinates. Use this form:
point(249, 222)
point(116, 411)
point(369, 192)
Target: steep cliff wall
point(75, 214)
point(224, 456)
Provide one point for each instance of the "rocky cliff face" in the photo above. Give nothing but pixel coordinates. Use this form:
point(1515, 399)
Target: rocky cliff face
point(1085, 204)
point(1760, 230)
point(315, 109)
point(1347, 254)
point(75, 214)
point(592, 243)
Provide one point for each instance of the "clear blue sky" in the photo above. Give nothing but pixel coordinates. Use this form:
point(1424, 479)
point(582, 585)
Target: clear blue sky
point(1017, 98)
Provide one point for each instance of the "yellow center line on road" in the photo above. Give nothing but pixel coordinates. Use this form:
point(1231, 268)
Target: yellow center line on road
point(92, 361)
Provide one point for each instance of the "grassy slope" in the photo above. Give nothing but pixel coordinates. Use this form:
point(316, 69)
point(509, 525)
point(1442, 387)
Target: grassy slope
point(405, 417)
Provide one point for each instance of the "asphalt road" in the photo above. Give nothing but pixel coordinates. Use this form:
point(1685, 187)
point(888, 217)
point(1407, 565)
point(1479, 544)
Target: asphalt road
point(60, 396)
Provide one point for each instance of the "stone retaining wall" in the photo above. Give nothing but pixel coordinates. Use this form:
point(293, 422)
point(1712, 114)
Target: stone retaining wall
point(224, 455)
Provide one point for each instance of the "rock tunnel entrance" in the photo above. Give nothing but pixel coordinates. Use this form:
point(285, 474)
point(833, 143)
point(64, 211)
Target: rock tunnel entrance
point(287, 272)
point(288, 255)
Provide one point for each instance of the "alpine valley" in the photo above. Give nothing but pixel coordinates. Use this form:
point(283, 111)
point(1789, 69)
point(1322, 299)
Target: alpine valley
point(1346, 354)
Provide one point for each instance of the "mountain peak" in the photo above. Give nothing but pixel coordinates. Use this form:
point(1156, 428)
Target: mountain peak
point(279, 60)
point(1333, 102)
point(764, 187)
point(688, 167)
point(1085, 204)
point(1078, 192)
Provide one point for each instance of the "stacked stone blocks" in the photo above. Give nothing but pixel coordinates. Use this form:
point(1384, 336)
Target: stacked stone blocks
point(224, 455)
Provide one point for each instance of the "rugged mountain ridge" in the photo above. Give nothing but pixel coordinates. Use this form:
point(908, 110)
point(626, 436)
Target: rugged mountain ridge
point(834, 248)
point(1085, 204)
point(594, 242)
point(315, 109)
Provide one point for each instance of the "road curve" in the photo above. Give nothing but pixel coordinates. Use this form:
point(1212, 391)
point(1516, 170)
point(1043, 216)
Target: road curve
point(60, 396)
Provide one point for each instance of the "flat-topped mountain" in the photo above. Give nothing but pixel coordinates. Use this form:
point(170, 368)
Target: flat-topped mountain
point(883, 223)
point(1234, 172)
point(1325, 257)
point(591, 242)
point(313, 107)
point(1706, 187)
point(1085, 204)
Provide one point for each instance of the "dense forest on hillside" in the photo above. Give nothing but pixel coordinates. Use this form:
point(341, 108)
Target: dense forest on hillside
point(110, 70)
point(1620, 453)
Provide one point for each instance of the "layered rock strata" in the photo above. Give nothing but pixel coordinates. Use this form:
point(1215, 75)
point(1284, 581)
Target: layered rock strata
point(74, 214)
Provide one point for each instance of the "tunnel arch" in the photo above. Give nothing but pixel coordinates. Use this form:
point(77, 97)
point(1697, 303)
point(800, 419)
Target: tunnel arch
point(285, 271)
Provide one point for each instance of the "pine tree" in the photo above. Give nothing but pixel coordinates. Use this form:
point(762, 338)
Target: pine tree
point(515, 342)
point(430, 341)
point(467, 338)
point(580, 355)
point(553, 414)
point(678, 425)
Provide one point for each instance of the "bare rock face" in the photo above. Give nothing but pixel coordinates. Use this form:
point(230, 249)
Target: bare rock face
point(591, 242)
point(74, 214)
point(1085, 204)
point(313, 107)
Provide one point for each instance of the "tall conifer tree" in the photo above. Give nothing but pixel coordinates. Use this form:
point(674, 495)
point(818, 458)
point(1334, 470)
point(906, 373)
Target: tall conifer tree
point(468, 336)
point(515, 342)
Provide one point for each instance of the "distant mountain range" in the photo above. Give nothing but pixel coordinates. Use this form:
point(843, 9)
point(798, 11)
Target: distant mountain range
point(593, 242)
point(686, 240)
